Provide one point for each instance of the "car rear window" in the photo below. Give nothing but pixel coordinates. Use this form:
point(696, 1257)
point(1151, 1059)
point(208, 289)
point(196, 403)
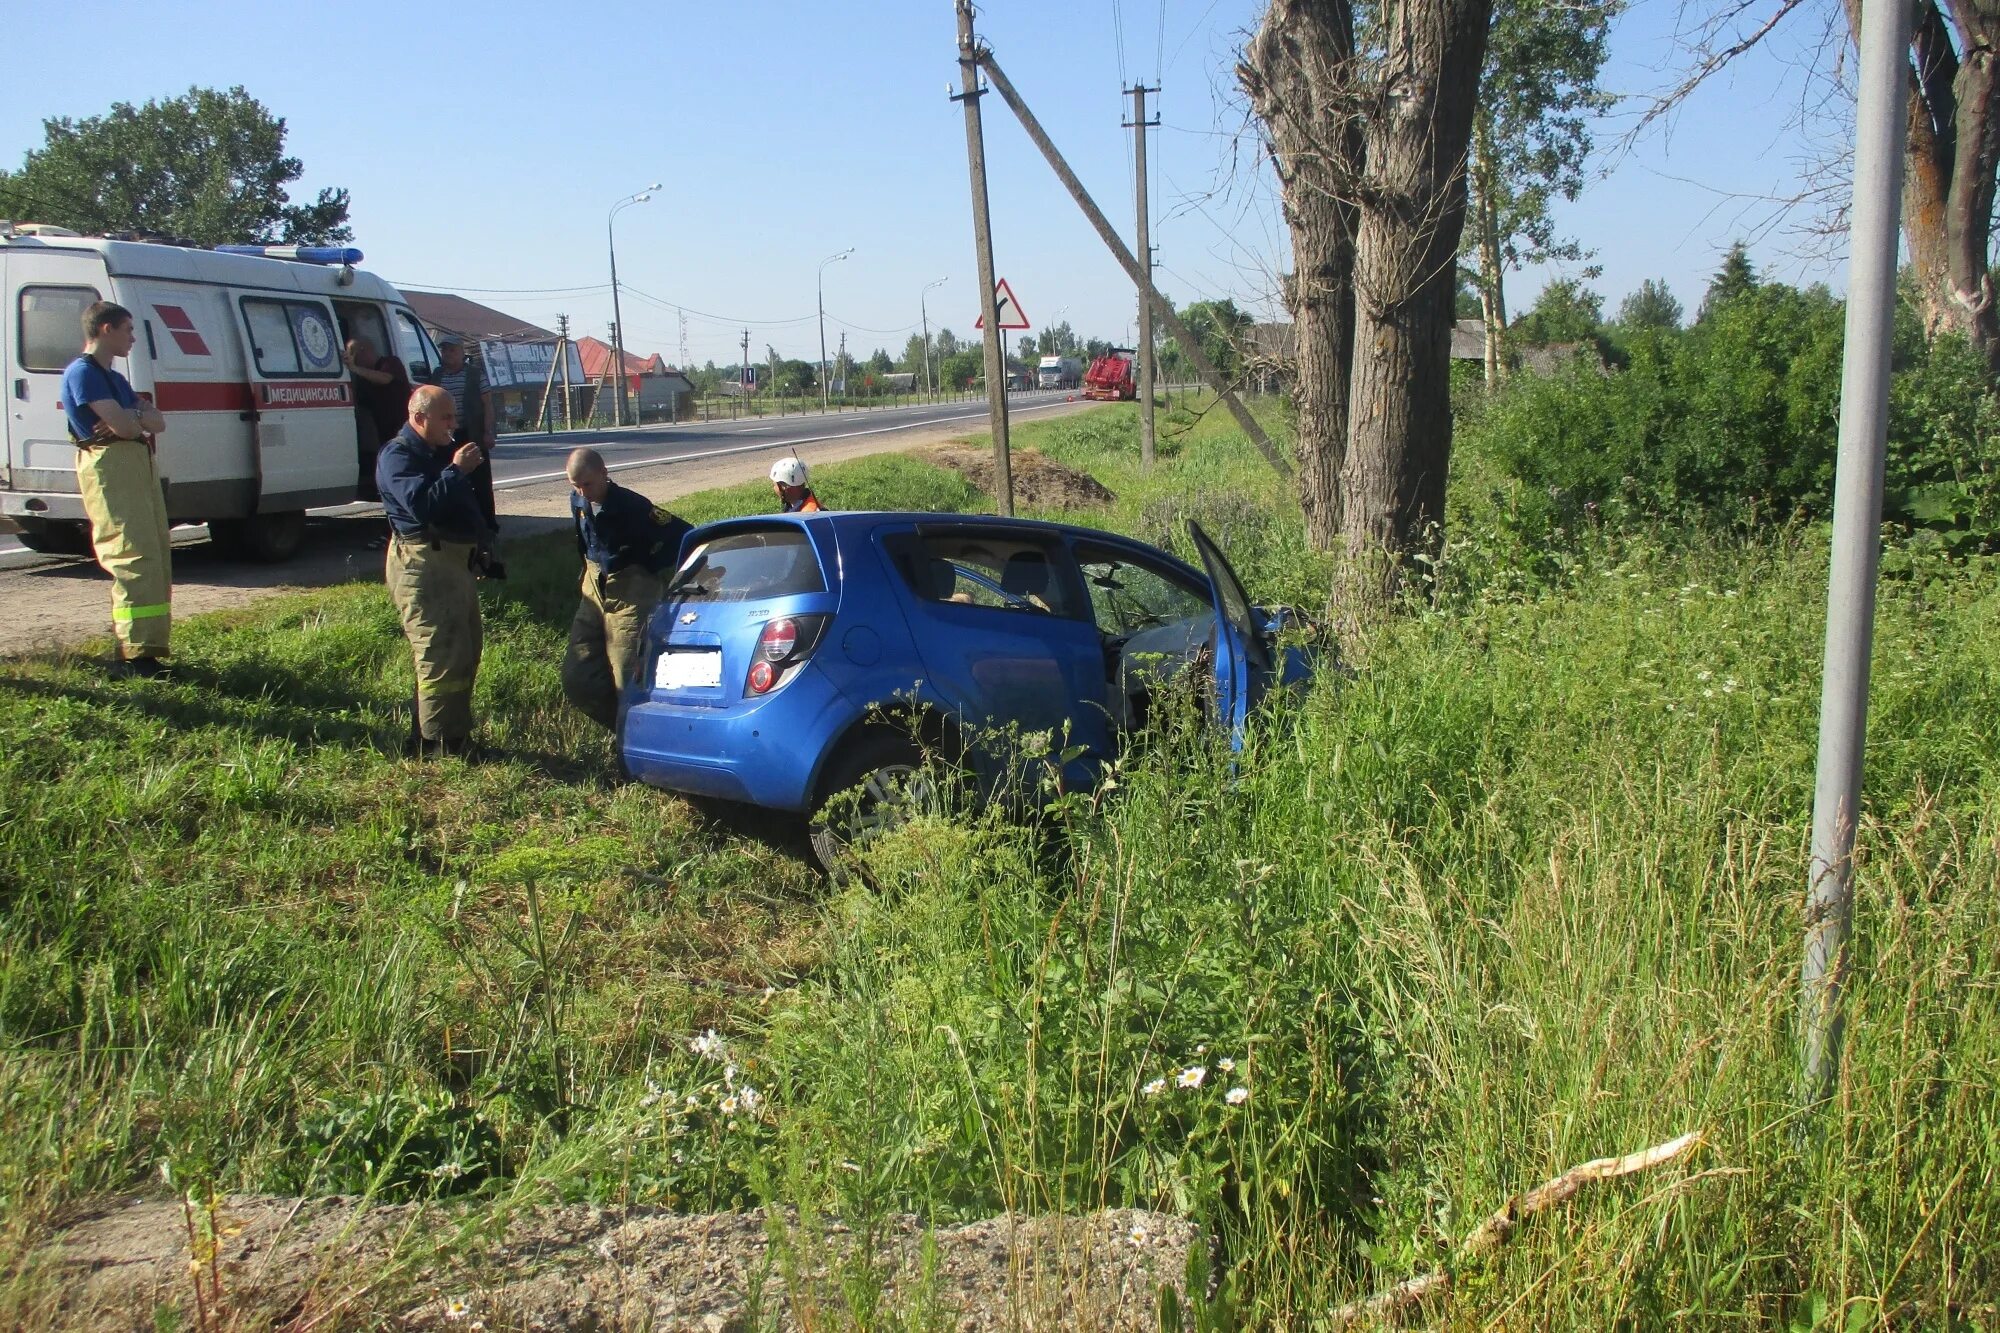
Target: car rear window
point(743, 566)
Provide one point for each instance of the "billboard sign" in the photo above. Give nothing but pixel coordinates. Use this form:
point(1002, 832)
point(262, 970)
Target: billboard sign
point(526, 365)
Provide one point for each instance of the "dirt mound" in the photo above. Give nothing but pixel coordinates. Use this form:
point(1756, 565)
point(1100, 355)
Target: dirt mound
point(1039, 482)
point(298, 1262)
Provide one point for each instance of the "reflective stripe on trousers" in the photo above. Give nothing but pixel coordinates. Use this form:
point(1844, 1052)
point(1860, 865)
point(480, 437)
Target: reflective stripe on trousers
point(437, 597)
point(128, 531)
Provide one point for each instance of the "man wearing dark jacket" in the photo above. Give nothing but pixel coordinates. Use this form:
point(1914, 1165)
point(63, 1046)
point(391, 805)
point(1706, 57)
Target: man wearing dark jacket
point(471, 396)
point(435, 530)
point(627, 546)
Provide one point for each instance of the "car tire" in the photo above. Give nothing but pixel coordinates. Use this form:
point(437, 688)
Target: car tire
point(54, 536)
point(266, 538)
point(892, 779)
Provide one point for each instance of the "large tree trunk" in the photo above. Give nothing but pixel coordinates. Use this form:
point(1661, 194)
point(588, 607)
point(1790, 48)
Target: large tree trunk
point(1486, 223)
point(1411, 219)
point(1298, 72)
point(1950, 159)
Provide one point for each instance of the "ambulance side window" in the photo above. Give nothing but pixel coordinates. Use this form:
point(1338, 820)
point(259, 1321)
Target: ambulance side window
point(413, 345)
point(291, 338)
point(50, 326)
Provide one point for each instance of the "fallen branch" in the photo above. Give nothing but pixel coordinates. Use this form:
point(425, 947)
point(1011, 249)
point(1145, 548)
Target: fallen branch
point(1497, 1229)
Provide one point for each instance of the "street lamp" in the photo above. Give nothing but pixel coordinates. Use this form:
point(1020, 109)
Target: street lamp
point(930, 380)
point(617, 319)
point(821, 283)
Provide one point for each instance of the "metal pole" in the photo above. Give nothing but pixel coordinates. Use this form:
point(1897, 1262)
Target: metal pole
point(930, 379)
point(1145, 349)
point(617, 326)
point(969, 56)
point(1857, 517)
point(617, 318)
point(820, 287)
point(1182, 334)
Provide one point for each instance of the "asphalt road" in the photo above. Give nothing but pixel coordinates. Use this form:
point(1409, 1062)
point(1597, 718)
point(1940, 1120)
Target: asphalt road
point(524, 460)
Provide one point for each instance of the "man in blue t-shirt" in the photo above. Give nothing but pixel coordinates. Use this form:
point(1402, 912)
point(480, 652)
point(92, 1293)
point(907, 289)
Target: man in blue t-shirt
point(120, 485)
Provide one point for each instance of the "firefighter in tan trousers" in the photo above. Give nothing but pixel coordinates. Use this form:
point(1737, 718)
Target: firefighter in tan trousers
point(435, 528)
point(115, 473)
point(627, 546)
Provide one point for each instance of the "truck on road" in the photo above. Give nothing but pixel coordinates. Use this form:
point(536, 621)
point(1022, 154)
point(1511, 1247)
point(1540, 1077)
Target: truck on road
point(1059, 372)
point(242, 353)
point(1109, 378)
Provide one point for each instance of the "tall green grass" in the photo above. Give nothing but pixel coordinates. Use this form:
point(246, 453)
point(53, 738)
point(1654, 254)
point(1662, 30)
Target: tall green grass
point(1523, 892)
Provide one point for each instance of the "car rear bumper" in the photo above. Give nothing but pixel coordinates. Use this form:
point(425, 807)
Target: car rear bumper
point(763, 752)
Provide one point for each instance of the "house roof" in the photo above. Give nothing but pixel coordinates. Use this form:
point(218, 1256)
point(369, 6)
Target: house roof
point(598, 356)
point(446, 314)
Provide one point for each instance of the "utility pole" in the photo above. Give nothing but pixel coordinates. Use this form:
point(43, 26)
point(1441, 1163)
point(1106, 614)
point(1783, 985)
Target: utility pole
point(970, 54)
point(743, 377)
point(840, 368)
point(1857, 543)
point(1139, 275)
point(615, 367)
point(547, 415)
point(1138, 126)
point(562, 351)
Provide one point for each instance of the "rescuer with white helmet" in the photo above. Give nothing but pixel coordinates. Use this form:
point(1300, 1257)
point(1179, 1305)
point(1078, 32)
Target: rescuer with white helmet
point(788, 479)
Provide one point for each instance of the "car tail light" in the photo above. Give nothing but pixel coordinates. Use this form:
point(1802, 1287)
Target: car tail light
point(782, 648)
point(780, 637)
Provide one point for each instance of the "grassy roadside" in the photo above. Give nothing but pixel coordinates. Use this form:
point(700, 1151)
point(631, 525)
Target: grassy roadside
point(1521, 895)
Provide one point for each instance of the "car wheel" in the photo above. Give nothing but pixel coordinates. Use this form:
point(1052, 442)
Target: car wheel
point(49, 536)
point(264, 538)
point(882, 783)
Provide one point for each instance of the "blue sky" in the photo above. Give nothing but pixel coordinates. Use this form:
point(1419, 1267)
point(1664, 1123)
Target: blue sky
point(484, 145)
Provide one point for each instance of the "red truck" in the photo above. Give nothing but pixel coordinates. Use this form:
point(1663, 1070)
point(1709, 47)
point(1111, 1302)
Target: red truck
point(1109, 378)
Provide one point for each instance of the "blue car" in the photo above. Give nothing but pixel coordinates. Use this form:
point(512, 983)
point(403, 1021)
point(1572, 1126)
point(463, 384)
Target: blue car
point(797, 656)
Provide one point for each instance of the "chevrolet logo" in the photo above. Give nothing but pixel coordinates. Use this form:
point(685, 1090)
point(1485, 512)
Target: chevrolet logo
point(688, 618)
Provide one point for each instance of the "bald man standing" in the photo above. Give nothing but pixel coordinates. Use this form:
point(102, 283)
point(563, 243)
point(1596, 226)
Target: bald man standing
point(435, 530)
point(627, 545)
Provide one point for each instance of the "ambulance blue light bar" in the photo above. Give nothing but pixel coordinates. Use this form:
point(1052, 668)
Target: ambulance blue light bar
point(298, 254)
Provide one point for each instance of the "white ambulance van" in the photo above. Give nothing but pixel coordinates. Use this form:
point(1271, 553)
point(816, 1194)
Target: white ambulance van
point(240, 351)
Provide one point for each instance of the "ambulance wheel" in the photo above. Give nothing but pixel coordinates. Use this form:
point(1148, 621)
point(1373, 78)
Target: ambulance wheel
point(54, 536)
point(269, 538)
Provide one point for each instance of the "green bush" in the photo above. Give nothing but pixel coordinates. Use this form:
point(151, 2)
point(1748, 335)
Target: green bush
point(1736, 421)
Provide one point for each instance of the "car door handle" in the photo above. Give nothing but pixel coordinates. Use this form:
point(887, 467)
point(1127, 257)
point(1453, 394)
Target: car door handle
point(21, 389)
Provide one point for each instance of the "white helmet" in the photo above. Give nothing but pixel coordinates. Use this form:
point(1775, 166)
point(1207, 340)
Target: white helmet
point(788, 472)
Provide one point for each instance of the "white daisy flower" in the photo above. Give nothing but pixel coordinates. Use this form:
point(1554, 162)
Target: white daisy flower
point(1226, 1065)
point(1236, 1096)
point(1191, 1077)
point(456, 1308)
point(1138, 1235)
point(1155, 1088)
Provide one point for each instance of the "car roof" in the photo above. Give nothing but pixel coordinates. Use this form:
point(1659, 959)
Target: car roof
point(844, 521)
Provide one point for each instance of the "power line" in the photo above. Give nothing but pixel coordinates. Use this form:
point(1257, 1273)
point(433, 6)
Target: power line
point(863, 328)
point(703, 314)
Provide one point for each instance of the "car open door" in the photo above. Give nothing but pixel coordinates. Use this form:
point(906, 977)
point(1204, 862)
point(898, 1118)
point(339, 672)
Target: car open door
point(1242, 657)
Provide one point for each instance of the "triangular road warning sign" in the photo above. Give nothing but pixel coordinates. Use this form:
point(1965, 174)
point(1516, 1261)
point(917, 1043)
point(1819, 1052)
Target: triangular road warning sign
point(1009, 309)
